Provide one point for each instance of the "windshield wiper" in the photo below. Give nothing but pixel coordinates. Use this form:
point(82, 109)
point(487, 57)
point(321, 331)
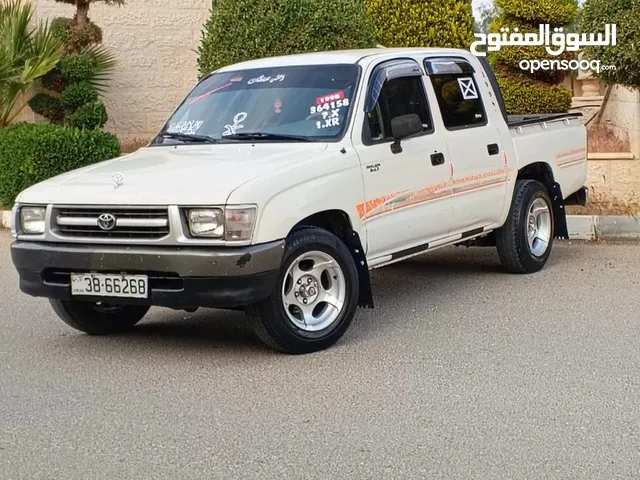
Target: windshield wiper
point(266, 136)
point(185, 137)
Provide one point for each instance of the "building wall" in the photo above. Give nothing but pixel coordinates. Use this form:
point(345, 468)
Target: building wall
point(155, 43)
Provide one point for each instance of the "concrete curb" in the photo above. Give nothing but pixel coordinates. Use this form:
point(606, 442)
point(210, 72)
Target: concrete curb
point(581, 227)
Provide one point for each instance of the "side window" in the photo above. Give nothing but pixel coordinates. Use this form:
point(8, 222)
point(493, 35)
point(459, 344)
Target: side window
point(459, 100)
point(399, 96)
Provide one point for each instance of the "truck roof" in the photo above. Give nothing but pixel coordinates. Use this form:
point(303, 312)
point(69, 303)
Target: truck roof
point(339, 57)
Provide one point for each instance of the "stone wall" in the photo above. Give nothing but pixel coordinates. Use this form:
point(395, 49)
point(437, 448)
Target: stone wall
point(155, 43)
point(622, 115)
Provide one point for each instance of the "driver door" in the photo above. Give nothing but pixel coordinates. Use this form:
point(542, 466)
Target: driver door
point(407, 192)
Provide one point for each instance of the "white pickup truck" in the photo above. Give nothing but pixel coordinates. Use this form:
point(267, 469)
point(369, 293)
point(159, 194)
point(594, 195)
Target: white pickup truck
point(278, 184)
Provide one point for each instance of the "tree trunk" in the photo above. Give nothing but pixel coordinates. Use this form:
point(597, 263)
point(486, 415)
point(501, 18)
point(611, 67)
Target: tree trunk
point(82, 12)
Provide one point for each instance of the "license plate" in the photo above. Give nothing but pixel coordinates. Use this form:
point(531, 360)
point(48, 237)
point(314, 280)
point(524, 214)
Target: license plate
point(100, 285)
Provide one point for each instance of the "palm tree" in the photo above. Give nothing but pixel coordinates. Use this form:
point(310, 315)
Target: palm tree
point(82, 7)
point(26, 54)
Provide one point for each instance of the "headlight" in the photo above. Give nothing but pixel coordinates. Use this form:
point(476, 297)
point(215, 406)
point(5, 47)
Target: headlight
point(231, 224)
point(239, 223)
point(32, 220)
point(207, 222)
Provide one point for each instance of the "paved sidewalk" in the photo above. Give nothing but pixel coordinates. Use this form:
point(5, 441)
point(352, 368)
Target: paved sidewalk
point(460, 372)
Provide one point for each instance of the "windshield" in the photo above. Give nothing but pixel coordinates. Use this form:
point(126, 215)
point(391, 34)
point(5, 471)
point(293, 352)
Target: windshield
point(309, 102)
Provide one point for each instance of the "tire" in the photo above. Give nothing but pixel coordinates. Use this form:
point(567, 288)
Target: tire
point(324, 265)
point(95, 319)
point(516, 252)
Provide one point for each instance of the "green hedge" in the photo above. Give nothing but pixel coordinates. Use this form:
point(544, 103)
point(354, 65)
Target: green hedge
point(89, 116)
point(625, 56)
point(78, 94)
point(77, 67)
point(525, 91)
point(48, 106)
point(523, 96)
point(554, 12)
point(32, 153)
point(422, 23)
point(240, 30)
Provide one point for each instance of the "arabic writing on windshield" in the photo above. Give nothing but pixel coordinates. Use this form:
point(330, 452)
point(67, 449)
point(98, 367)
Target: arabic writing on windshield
point(309, 101)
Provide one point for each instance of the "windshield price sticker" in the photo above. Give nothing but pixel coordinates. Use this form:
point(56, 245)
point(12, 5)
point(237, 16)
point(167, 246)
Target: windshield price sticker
point(330, 105)
point(188, 127)
point(332, 97)
point(329, 119)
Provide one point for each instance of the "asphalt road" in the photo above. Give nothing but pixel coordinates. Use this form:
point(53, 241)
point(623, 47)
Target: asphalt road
point(461, 371)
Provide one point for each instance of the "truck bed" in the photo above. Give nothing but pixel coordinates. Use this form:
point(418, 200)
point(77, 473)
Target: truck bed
point(558, 140)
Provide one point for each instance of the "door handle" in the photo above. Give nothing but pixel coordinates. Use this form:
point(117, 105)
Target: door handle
point(437, 159)
point(493, 149)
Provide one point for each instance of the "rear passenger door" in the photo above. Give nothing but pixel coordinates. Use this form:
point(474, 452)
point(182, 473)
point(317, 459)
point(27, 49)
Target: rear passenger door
point(479, 187)
point(407, 192)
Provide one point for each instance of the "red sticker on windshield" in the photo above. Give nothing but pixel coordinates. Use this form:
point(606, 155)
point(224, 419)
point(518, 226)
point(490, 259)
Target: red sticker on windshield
point(332, 97)
point(209, 93)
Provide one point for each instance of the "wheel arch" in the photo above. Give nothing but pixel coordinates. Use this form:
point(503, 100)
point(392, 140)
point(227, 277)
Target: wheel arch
point(543, 173)
point(339, 223)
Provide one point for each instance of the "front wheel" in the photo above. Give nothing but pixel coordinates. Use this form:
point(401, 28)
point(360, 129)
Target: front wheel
point(524, 241)
point(315, 296)
point(99, 318)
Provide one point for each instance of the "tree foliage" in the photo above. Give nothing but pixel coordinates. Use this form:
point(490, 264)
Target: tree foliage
point(422, 23)
point(239, 30)
point(625, 56)
point(26, 54)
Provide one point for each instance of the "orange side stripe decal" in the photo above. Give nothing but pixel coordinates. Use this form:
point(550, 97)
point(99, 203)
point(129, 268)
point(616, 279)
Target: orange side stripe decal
point(365, 209)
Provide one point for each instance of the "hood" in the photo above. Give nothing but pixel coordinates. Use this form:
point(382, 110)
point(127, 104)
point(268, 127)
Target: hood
point(166, 175)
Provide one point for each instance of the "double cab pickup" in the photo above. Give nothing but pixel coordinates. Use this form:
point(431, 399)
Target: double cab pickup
point(278, 184)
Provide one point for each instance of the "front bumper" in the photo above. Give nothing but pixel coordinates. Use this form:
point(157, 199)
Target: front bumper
point(179, 277)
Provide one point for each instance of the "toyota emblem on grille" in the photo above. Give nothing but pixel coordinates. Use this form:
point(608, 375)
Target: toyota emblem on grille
point(106, 221)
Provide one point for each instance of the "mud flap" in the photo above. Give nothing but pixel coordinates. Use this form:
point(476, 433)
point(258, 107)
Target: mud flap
point(365, 295)
point(561, 230)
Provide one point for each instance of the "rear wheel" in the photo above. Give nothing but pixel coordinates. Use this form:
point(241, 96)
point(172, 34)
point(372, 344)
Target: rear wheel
point(524, 241)
point(315, 296)
point(99, 318)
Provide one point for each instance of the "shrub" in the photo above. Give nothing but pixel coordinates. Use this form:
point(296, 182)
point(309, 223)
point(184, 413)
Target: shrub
point(422, 23)
point(81, 36)
point(239, 30)
point(89, 116)
point(524, 96)
point(554, 12)
point(32, 153)
point(625, 14)
point(77, 67)
point(528, 92)
point(60, 27)
point(77, 95)
point(82, 8)
point(48, 106)
point(53, 80)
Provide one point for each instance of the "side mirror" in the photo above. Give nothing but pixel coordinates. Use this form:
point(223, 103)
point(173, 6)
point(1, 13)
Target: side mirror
point(402, 127)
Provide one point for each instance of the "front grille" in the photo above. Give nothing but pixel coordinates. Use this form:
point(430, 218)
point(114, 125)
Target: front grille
point(114, 223)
